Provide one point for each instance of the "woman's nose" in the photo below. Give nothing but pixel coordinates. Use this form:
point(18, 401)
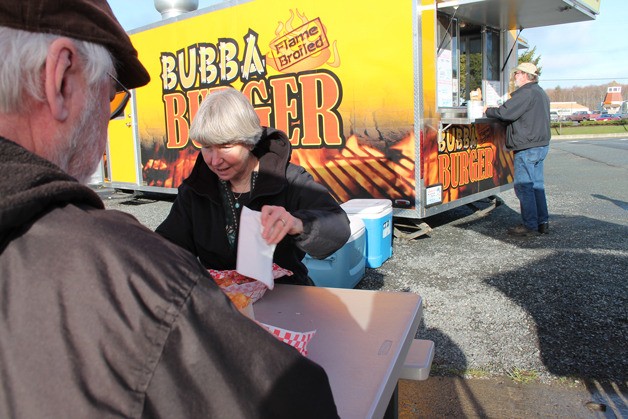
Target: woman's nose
point(215, 158)
point(212, 157)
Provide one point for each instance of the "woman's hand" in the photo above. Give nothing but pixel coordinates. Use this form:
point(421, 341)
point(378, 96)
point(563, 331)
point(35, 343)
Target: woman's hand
point(277, 222)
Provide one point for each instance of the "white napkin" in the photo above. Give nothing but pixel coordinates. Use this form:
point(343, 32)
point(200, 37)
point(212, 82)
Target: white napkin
point(255, 256)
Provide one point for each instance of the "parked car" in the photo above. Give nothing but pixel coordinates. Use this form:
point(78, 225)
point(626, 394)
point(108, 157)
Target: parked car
point(607, 117)
point(579, 116)
point(554, 117)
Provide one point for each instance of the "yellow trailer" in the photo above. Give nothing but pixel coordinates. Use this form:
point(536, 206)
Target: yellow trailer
point(377, 98)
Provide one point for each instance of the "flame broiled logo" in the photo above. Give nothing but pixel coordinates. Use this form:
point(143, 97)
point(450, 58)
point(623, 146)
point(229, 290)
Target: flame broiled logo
point(304, 42)
point(303, 48)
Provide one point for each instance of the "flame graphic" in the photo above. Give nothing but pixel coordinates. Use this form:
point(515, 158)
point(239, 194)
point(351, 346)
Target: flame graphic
point(361, 171)
point(356, 171)
point(167, 168)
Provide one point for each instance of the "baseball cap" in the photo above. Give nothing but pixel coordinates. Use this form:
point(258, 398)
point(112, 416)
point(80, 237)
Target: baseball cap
point(527, 68)
point(86, 20)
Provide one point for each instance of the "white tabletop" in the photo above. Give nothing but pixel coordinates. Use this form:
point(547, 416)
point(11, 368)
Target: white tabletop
point(362, 338)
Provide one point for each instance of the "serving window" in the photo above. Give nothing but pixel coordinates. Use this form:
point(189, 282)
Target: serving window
point(468, 58)
point(448, 65)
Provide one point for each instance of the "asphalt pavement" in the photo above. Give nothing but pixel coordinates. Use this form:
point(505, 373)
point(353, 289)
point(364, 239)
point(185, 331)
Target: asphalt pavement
point(534, 326)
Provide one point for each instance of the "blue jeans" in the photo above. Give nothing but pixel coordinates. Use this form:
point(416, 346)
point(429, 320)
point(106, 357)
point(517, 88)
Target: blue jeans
point(529, 186)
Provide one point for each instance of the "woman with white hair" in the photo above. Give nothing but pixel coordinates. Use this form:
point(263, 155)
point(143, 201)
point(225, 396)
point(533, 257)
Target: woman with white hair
point(242, 163)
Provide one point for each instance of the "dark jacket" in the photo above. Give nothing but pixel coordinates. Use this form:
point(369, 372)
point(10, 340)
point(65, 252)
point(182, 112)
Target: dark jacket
point(197, 218)
point(527, 113)
point(100, 317)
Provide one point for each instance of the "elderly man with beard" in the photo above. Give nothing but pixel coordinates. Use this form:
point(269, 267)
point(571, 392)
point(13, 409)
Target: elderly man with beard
point(100, 317)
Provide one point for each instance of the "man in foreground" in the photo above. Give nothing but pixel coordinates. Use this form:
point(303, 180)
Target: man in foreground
point(99, 316)
point(528, 135)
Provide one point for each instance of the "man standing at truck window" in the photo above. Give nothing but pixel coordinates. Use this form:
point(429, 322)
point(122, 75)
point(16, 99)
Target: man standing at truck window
point(527, 113)
point(101, 317)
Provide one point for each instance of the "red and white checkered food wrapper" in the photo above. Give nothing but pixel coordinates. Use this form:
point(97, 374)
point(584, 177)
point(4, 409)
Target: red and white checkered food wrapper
point(232, 282)
point(297, 339)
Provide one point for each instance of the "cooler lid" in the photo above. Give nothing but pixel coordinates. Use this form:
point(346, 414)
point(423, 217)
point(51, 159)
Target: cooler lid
point(357, 226)
point(366, 206)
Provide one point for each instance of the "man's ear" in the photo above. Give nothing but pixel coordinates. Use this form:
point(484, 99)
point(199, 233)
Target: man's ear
point(61, 69)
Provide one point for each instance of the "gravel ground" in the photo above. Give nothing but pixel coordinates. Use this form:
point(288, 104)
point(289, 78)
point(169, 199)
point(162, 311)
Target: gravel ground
point(555, 305)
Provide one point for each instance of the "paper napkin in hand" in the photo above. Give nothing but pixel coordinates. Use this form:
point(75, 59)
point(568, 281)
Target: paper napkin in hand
point(254, 256)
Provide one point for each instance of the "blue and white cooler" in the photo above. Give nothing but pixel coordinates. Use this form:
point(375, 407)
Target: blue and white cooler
point(377, 215)
point(346, 267)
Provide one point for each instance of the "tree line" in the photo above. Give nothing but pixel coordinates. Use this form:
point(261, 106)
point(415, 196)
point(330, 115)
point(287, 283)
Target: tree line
point(589, 96)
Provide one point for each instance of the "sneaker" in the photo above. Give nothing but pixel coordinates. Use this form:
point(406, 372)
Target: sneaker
point(522, 231)
point(544, 228)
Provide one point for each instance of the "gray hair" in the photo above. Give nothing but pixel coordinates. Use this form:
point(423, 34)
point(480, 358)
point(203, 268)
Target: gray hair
point(226, 117)
point(23, 55)
point(532, 77)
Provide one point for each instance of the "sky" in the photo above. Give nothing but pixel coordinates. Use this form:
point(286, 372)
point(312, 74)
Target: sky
point(573, 54)
point(584, 53)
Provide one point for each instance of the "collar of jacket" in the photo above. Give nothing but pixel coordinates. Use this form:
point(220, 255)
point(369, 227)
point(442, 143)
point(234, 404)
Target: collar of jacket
point(31, 185)
point(273, 151)
point(528, 85)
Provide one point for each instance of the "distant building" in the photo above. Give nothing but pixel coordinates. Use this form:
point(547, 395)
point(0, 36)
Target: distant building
point(567, 108)
point(612, 100)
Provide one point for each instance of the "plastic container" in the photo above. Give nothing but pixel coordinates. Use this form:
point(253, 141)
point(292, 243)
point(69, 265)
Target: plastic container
point(377, 217)
point(475, 109)
point(346, 267)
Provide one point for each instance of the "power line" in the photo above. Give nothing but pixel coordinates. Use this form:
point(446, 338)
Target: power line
point(593, 78)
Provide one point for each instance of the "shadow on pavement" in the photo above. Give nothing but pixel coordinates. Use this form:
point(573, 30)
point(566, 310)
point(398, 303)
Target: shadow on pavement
point(577, 296)
point(621, 204)
point(574, 288)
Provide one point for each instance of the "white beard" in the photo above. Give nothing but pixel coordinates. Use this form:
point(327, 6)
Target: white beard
point(84, 143)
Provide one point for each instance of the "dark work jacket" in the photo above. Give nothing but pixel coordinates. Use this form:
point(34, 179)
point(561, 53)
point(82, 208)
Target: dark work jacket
point(527, 113)
point(197, 219)
point(100, 317)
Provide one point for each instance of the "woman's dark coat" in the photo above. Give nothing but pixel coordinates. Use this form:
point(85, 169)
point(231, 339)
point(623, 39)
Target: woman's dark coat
point(197, 218)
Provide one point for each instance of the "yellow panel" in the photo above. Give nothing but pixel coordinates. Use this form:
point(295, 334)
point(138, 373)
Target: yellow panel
point(122, 155)
point(428, 54)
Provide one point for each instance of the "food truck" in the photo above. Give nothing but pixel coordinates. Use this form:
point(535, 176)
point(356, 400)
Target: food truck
point(379, 100)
